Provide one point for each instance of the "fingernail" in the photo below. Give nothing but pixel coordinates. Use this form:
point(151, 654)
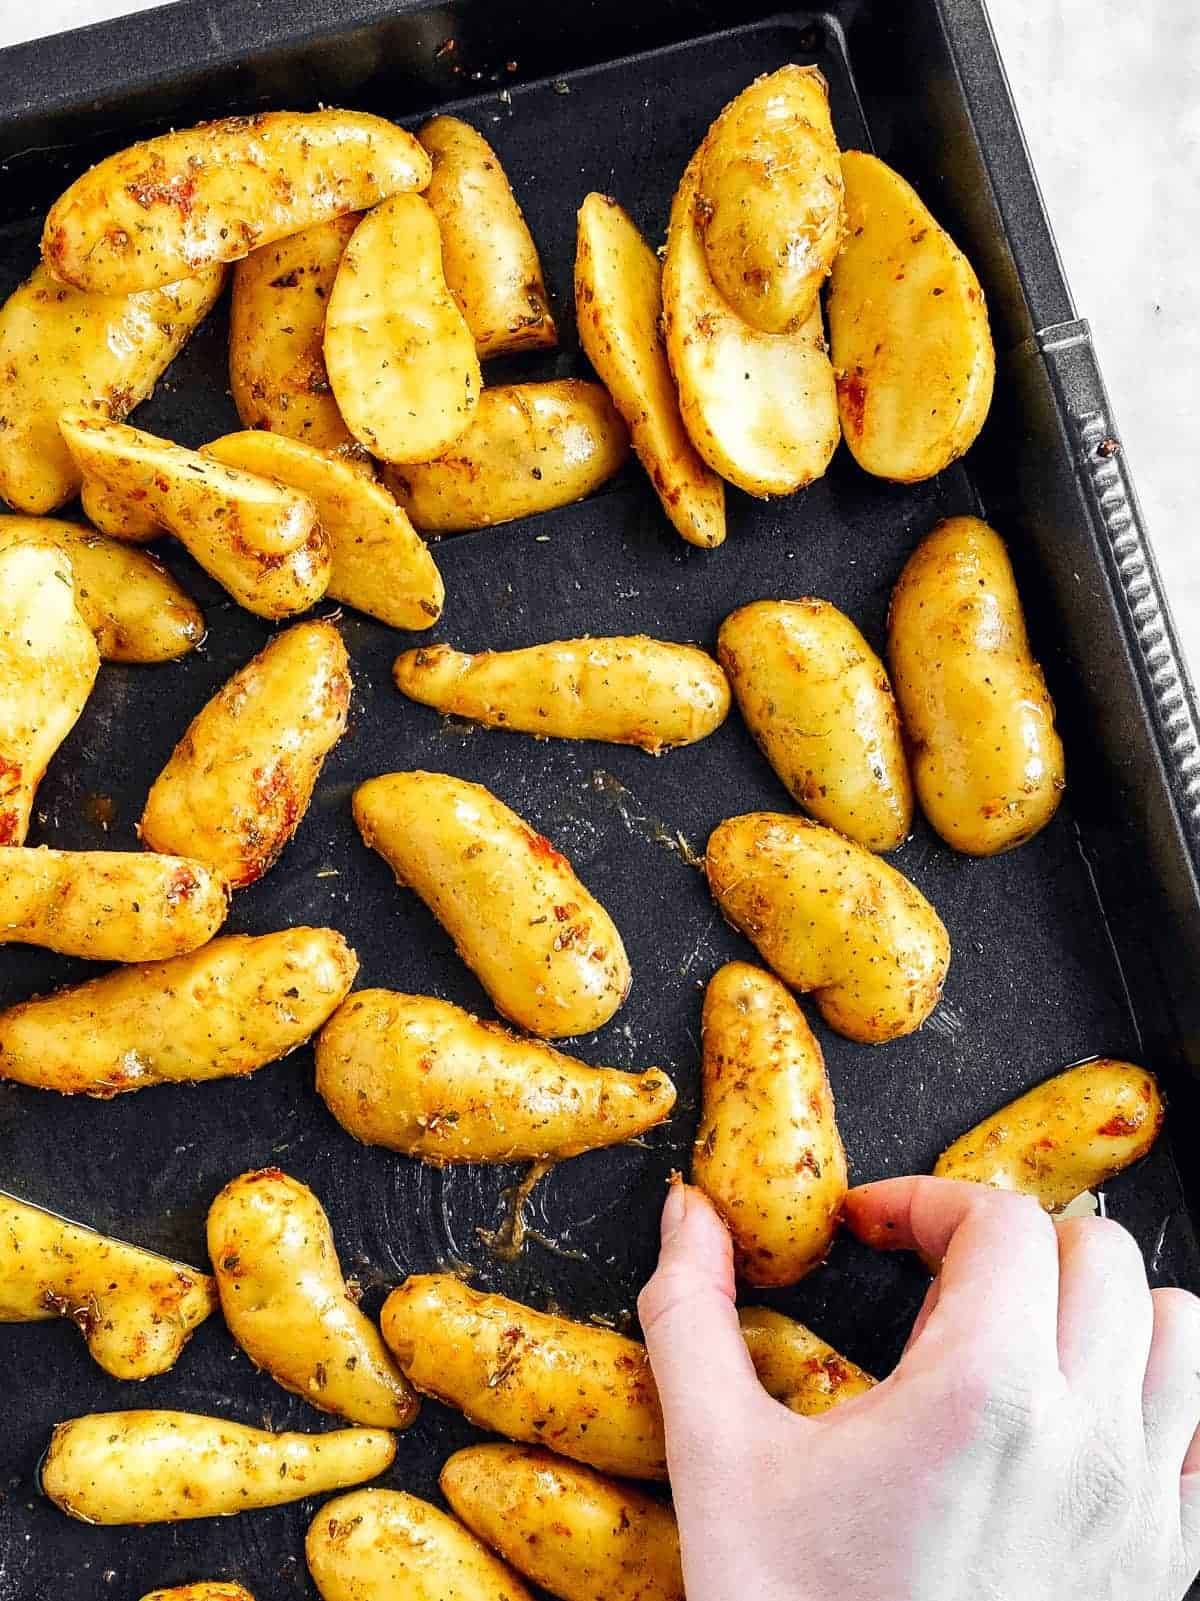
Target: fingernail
point(674, 1210)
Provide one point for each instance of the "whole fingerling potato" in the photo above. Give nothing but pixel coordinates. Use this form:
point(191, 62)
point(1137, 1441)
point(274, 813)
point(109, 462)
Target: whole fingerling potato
point(1070, 1134)
point(987, 759)
point(796, 1366)
point(818, 702)
point(240, 780)
point(286, 1303)
point(204, 1590)
point(831, 918)
point(628, 691)
point(768, 1153)
point(421, 1076)
point(571, 1531)
point(136, 1310)
point(545, 950)
point(583, 1391)
point(384, 1545)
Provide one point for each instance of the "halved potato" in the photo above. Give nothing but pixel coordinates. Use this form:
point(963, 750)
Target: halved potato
point(488, 253)
point(618, 307)
point(277, 335)
point(48, 664)
point(771, 198)
point(128, 599)
point(136, 1310)
point(61, 347)
point(631, 691)
point(760, 408)
point(381, 565)
point(168, 206)
point(219, 1012)
point(1069, 1134)
point(399, 354)
point(529, 448)
point(239, 782)
point(110, 906)
point(263, 542)
point(908, 329)
point(424, 1077)
point(796, 1366)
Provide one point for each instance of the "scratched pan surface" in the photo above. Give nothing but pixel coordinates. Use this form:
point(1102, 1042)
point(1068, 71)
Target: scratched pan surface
point(1034, 983)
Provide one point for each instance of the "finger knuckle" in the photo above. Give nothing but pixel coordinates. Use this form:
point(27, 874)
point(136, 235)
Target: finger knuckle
point(1103, 1485)
point(1005, 1410)
point(1101, 1239)
point(1178, 1311)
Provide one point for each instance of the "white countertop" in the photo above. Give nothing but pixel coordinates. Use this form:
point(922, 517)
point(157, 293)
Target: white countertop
point(1109, 94)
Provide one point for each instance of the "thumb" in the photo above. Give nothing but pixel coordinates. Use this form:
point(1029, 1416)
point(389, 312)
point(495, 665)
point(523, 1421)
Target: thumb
point(709, 1391)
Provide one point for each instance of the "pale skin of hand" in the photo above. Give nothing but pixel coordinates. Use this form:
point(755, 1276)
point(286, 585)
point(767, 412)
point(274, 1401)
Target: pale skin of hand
point(1036, 1442)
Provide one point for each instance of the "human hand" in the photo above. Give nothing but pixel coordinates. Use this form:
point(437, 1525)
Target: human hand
point(1036, 1442)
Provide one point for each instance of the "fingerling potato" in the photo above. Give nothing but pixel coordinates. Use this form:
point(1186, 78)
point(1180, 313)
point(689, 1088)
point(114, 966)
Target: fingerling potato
point(796, 1366)
point(381, 1545)
point(380, 564)
point(164, 1467)
point(421, 1076)
point(132, 605)
point(583, 1391)
point(760, 408)
point(545, 950)
point(771, 198)
point(818, 702)
point(768, 1153)
point(262, 542)
point(490, 259)
point(109, 906)
point(62, 348)
point(205, 1590)
point(618, 309)
point(578, 1535)
point(240, 780)
point(48, 664)
point(831, 918)
point(987, 759)
point(135, 1310)
point(398, 351)
point(628, 691)
point(1069, 1134)
point(908, 331)
point(170, 206)
point(285, 1302)
point(528, 448)
point(234, 1005)
point(277, 337)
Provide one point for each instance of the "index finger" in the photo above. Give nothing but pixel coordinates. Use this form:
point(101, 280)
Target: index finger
point(997, 1257)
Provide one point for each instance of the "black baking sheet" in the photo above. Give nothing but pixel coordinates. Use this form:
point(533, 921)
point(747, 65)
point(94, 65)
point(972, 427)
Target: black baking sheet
point(1034, 983)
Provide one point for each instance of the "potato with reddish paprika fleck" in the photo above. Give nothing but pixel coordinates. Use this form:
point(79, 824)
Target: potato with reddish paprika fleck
point(203, 1590)
point(240, 780)
point(541, 945)
point(1069, 1134)
point(796, 1366)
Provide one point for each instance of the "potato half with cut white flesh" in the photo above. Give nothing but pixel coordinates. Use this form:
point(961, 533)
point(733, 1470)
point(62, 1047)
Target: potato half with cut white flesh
point(399, 354)
point(286, 1304)
point(222, 1011)
point(490, 259)
point(908, 330)
point(62, 347)
point(277, 335)
point(239, 782)
point(136, 1310)
point(381, 565)
point(258, 539)
point(48, 664)
point(152, 1466)
point(529, 448)
point(760, 408)
point(618, 307)
point(128, 599)
point(109, 906)
point(796, 1366)
point(628, 691)
point(771, 198)
point(168, 206)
